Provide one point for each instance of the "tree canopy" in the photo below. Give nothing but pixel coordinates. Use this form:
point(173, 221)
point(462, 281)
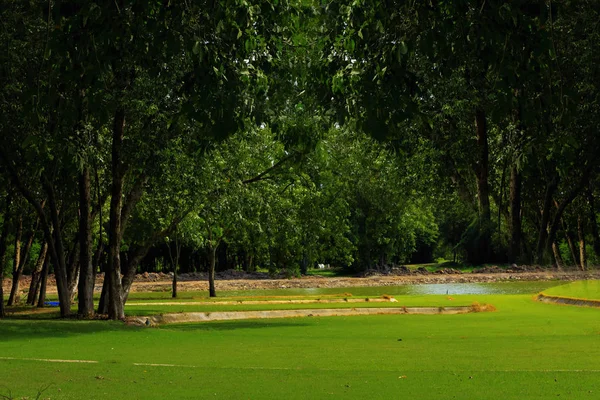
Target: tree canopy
point(280, 134)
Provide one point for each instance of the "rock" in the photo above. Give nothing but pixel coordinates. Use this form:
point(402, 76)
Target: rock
point(401, 270)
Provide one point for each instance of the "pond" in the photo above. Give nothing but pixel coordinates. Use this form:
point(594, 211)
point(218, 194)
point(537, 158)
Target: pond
point(527, 287)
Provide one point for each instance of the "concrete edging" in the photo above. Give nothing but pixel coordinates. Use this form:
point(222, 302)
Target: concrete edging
point(268, 314)
point(568, 301)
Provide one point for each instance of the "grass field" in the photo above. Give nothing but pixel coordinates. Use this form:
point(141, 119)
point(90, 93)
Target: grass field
point(580, 290)
point(525, 350)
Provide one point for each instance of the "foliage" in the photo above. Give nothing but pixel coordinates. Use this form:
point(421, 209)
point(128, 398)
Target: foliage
point(293, 132)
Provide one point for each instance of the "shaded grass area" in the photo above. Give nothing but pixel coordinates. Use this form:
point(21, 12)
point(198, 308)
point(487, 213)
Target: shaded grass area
point(330, 272)
point(589, 290)
point(443, 264)
point(525, 350)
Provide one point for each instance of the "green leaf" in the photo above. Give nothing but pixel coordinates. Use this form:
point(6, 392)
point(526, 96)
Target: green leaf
point(403, 48)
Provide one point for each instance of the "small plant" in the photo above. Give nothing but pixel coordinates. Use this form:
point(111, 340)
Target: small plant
point(9, 395)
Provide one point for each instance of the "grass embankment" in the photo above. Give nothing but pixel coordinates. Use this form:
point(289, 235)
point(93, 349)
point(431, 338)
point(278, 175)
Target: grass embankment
point(163, 306)
point(525, 350)
point(589, 290)
point(413, 301)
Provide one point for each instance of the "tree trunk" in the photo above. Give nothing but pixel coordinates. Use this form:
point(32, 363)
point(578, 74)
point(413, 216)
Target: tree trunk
point(543, 232)
point(177, 257)
point(16, 262)
point(515, 216)
point(103, 302)
point(212, 250)
point(73, 268)
point(574, 253)
point(113, 271)
point(483, 190)
point(43, 281)
point(53, 238)
point(35, 274)
point(3, 240)
point(74, 282)
point(58, 254)
point(500, 200)
point(174, 263)
point(557, 256)
point(569, 198)
point(582, 252)
point(96, 262)
point(85, 305)
point(36, 283)
point(140, 252)
point(304, 264)
point(593, 222)
point(132, 264)
point(174, 285)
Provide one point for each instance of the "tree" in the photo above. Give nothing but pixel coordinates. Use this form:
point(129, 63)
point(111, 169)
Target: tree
point(3, 240)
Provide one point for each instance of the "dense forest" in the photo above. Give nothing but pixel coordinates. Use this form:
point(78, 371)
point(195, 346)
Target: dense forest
point(277, 134)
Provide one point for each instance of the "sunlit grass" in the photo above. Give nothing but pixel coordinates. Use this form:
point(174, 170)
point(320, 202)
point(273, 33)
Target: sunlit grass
point(524, 350)
point(589, 289)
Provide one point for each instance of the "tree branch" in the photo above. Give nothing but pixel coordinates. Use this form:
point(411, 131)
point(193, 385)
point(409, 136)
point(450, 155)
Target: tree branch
point(274, 167)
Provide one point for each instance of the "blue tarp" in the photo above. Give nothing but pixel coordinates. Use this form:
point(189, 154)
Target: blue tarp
point(52, 303)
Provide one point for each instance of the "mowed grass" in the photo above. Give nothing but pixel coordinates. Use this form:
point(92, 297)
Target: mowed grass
point(579, 289)
point(525, 350)
point(165, 306)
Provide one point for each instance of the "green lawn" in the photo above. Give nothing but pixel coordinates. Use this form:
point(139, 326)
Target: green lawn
point(580, 290)
point(525, 350)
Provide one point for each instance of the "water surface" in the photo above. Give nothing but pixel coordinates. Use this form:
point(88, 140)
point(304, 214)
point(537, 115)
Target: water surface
point(526, 287)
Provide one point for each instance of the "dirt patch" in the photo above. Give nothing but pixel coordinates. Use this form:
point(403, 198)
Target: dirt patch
point(237, 315)
point(568, 300)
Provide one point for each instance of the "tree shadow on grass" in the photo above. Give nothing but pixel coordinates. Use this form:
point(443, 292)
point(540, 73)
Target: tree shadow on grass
point(233, 325)
point(20, 329)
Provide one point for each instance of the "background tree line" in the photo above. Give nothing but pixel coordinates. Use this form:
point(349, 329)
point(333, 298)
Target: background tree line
point(284, 133)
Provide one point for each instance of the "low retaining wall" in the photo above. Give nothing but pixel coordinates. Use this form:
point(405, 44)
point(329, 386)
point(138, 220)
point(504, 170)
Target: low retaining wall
point(237, 315)
point(568, 300)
